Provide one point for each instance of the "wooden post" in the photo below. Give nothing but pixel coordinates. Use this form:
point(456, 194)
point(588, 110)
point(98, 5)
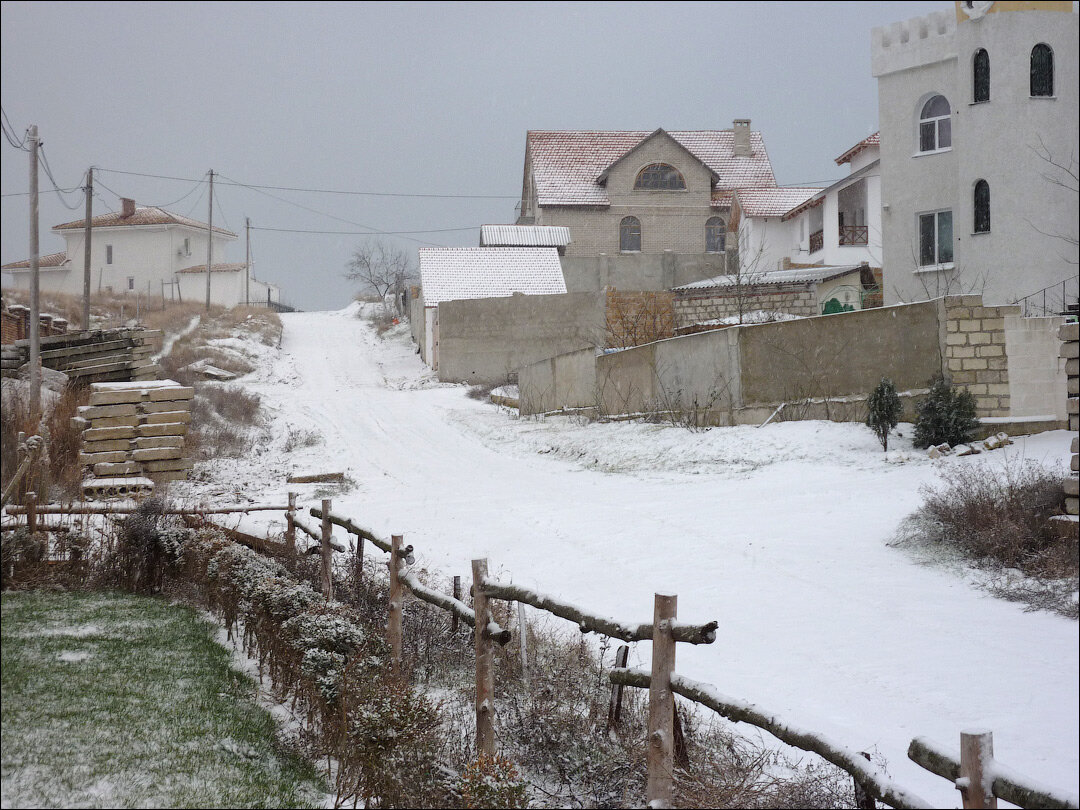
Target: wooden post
point(485, 669)
point(326, 551)
point(659, 757)
point(358, 561)
point(87, 236)
point(976, 755)
point(524, 645)
point(864, 800)
point(393, 624)
point(290, 526)
point(31, 512)
point(457, 595)
point(614, 714)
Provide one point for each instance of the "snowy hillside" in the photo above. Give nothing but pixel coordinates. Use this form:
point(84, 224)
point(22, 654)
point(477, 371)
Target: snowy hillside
point(780, 533)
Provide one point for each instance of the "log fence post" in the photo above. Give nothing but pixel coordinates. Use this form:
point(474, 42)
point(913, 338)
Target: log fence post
point(659, 757)
point(290, 525)
point(863, 799)
point(393, 623)
point(524, 645)
point(358, 563)
point(485, 670)
point(457, 595)
point(31, 511)
point(976, 756)
point(325, 569)
point(614, 714)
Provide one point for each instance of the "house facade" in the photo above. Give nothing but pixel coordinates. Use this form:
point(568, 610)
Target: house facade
point(977, 104)
point(145, 250)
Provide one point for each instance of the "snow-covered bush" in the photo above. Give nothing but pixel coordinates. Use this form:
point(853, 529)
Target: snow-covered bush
point(883, 410)
point(493, 782)
point(947, 415)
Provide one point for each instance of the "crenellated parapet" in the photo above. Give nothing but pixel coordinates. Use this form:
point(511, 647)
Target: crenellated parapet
point(914, 42)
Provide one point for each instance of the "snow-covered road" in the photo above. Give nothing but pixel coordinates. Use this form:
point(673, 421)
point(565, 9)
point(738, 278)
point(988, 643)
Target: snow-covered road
point(780, 534)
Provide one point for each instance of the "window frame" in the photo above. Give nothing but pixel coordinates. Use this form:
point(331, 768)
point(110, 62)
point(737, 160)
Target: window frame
point(981, 221)
point(638, 185)
point(712, 224)
point(937, 263)
point(975, 73)
point(108, 254)
point(935, 121)
point(1049, 78)
point(629, 228)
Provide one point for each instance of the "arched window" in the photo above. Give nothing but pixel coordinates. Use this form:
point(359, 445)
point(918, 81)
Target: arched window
point(982, 207)
point(1042, 70)
point(659, 176)
point(980, 76)
point(630, 235)
point(715, 235)
point(935, 125)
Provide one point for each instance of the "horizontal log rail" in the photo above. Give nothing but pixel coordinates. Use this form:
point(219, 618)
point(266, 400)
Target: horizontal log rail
point(1007, 785)
point(99, 508)
point(352, 528)
point(872, 779)
point(591, 623)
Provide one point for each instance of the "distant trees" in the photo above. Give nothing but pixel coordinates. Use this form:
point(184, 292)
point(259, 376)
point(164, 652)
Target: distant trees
point(381, 269)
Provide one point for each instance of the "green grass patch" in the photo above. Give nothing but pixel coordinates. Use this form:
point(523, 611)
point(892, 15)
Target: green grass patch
point(112, 700)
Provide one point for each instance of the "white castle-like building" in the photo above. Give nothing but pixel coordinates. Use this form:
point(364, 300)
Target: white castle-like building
point(978, 112)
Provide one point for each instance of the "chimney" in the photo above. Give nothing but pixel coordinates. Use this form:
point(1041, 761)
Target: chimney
point(127, 208)
point(741, 128)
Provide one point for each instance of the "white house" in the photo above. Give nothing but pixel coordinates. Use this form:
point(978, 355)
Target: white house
point(144, 250)
point(462, 273)
point(977, 104)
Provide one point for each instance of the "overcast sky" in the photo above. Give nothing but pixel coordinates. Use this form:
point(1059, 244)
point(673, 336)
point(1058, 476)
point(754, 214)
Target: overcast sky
point(410, 99)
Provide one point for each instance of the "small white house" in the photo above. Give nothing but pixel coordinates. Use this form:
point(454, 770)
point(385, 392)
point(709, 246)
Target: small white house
point(145, 250)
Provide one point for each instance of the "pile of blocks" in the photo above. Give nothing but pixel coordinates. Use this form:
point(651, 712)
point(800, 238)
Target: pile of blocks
point(132, 432)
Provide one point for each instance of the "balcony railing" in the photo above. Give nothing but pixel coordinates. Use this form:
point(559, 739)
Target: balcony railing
point(854, 235)
point(817, 241)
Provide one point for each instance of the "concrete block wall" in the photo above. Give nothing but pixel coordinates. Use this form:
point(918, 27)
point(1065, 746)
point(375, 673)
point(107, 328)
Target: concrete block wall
point(1036, 372)
point(696, 307)
point(974, 355)
point(1069, 334)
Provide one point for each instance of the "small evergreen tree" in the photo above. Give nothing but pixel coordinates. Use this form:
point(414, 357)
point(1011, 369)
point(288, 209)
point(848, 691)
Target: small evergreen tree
point(946, 415)
point(883, 410)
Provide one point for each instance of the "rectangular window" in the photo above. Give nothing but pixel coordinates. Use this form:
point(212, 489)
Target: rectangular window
point(108, 254)
point(935, 238)
point(944, 133)
point(131, 282)
point(927, 141)
point(187, 246)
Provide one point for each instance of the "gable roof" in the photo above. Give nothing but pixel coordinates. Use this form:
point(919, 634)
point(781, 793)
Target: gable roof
point(566, 164)
point(454, 274)
point(524, 236)
point(772, 202)
point(602, 179)
point(865, 143)
point(46, 261)
point(147, 215)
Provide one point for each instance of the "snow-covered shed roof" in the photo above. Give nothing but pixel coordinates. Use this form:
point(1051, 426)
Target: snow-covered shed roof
point(566, 164)
point(772, 202)
point(458, 273)
point(802, 275)
point(865, 143)
point(44, 262)
point(146, 215)
point(524, 236)
point(234, 267)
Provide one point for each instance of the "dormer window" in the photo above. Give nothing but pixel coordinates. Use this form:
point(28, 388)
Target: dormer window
point(660, 176)
point(935, 125)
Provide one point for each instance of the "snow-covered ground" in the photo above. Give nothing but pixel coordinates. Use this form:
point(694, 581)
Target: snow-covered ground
point(779, 533)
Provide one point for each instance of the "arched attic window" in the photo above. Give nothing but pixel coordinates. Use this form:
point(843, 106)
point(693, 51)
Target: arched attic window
point(935, 125)
point(630, 235)
point(980, 76)
point(1042, 70)
point(660, 176)
point(981, 200)
point(715, 235)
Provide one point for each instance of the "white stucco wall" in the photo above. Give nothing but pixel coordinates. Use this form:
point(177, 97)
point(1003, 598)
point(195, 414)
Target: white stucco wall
point(1037, 380)
point(995, 141)
point(226, 288)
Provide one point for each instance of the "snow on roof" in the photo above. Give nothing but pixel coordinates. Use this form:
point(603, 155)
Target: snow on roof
point(454, 274)
point(565, 164)
point(524, 236)
point(797, 276)
point(234, 267)
point(772, 202)
point(147, 215)
point(865, 143)
point(48, 260)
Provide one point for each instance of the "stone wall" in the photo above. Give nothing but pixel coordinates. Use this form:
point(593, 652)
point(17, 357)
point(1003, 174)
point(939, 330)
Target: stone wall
point(1070, 351)
point(692, 307)
point(974, 351)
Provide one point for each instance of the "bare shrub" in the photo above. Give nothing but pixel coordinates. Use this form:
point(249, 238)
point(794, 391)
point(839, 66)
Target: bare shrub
point(65, 441)
point(481, 392)
point(232, 403)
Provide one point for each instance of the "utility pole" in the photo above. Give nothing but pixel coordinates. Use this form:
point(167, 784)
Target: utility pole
point(35, 300)
point(247, 261)
point(86, 248)
point(209, 240)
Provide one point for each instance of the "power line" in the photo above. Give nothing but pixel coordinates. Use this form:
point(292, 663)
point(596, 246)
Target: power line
point(9, 132)
point(197, 183)
point(365, 233)
point(55, 185)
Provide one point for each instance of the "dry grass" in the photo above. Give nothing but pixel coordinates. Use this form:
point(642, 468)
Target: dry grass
point(64, 475)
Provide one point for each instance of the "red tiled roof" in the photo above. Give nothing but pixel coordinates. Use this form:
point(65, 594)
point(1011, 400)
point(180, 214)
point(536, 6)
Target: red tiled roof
point(49, 260)
point(772, 202)
point(215, 268)
point(148, 215)
point(566, 164)
point(870, 140)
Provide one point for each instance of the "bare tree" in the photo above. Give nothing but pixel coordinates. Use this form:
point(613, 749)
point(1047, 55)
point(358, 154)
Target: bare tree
point(1064, 173)
point(381, 269)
